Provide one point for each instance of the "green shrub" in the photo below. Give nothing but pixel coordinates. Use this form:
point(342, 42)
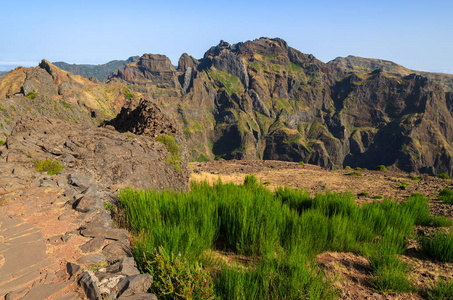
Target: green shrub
point(31, 95)
point(347, 168)
point(443, 176)
point(357, 174)
point(390, 274)
point(438, 246)
point(2, 142)
point(415, 178)
point(174, 278)
point(381, 168)
point(175, 150)
point(52, 167)
point(446, 195)
point(403, 185)
point(202, 158)
point(109, 206)
point(377, 197)
point(301, 163)
point(443, 290)
point(358, 168)
point(363, 194)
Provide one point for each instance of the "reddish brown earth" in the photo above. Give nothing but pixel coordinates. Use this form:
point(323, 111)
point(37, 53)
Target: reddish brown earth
point(352, 271)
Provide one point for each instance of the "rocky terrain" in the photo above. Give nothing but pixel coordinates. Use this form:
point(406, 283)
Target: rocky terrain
point(366, 65)
point(49, 91)
point(265, 100)
point(57, 231)
point(100, 72)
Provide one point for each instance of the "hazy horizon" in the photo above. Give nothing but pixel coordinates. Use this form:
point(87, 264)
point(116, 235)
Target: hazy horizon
point(414, 34)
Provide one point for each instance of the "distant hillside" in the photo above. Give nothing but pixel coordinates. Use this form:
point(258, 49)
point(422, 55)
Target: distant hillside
point(101, 72)
point(367, 65)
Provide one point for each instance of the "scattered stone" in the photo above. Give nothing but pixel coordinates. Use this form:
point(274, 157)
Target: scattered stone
point(89, 284)
point(125, 266)
point(108, 233)
point(116, 250)
point(136, 284)
point(73, 269)
point(64, 216)
point(93, 245)
point(87, 203)
point(91, 259)
point(15, 295)
point(80, 180)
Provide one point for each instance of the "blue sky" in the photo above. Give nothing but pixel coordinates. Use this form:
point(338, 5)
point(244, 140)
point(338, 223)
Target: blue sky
point(415, 34)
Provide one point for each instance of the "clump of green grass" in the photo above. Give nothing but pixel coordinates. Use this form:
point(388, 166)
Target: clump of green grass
point(381, 168)
point(129, 135)
point(438, 246)
point(2, 142)
point(362, 194)
point(403, 185)
point(202, 158)
point(301, 163)
point(109, 206)
point(51, 167)
point(358, 168)
point(415, 178)
point(175, 150)
point(446, 195)
point(443, 176)
point(31, 95)
point(357, 174)
point(418, 205)
point(377, 197)
point(391, 274)
point(347, 168)
point(267, 183)
point(175, 278)
point(443, 290)
point(279, 232)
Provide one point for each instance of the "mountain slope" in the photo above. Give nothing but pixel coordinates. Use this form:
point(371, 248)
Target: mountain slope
point(49, 91)
point(263, 99)
point(101, 72)
point(366, 65)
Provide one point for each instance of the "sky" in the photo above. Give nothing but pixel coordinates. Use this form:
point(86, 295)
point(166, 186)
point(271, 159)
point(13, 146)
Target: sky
point(415, 34)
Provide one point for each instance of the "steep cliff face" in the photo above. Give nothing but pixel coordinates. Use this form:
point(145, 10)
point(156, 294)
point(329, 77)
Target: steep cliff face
point(263, 99)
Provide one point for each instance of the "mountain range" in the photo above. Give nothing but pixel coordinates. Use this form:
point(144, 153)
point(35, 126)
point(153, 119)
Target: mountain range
point(263, 99)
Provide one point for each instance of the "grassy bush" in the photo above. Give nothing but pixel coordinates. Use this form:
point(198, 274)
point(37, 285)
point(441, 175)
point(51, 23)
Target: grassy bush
point(446, 195)
point(279, 232)
point(175, 278)
point(391, 274)
point(172, 146)
point(31, 95)
point(443, 176)
point(363, 194)
point(403, 185)
point(381, 168)
point(51, 167)
point(357, 174)
point(2, 142)
point(443, 290)
point(301, 163)
point(438, 246)
point(415, 178)
point(377, 197)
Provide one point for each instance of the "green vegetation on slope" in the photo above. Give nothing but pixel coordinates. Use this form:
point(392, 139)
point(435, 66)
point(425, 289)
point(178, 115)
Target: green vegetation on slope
point(277, 233)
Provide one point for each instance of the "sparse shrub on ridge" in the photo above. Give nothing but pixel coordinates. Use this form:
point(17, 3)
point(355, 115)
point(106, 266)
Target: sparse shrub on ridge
point(172, 146)
point(443, 176)
point(381, 168)
point(51, 167)
point(446, 195)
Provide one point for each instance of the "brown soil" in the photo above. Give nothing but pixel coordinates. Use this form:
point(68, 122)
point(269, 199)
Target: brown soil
point(352, 271)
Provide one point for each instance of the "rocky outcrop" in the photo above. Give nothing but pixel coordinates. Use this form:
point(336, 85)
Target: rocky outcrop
point(263, 99)
point(111, 158)
point(51, 92)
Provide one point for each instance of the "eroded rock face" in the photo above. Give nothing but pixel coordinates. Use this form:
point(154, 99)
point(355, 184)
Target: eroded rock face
point(112, 158)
